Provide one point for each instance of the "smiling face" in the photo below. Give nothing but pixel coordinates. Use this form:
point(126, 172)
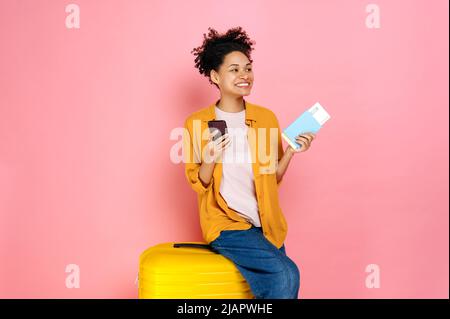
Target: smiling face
point(235, 75)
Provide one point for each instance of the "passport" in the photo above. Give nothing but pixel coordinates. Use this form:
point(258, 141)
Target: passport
point(311, 121)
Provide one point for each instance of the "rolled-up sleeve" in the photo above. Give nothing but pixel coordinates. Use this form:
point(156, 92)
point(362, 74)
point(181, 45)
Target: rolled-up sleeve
point(192, 160)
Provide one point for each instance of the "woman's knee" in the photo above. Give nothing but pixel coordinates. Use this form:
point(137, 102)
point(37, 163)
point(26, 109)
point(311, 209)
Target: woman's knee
point(285, 284)
point(294, 275)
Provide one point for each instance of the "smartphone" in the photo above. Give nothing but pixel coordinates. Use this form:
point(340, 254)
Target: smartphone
point(219, 125)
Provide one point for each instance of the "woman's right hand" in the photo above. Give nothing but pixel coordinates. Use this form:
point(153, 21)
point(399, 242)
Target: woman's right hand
point(214, 148)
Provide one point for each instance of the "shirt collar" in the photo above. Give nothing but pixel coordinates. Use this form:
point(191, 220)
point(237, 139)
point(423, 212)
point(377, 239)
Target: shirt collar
point(250, 112)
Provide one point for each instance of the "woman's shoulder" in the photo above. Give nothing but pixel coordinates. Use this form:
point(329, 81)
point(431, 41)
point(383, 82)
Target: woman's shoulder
point(263, 113)
point(201, 114)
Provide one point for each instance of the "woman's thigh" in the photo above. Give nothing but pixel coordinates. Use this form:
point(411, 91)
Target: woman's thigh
point(250, 242)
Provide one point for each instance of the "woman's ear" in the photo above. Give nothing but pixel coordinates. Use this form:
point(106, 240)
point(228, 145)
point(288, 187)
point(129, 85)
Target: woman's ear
point(214, 76)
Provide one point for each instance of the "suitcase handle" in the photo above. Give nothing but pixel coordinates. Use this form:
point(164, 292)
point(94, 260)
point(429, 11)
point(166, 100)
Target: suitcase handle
point(180, 245)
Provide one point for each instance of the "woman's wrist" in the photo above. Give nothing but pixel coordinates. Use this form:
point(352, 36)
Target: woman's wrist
point(290, 151)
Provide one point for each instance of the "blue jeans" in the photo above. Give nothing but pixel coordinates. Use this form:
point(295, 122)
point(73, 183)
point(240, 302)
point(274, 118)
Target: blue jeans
point(270, 273)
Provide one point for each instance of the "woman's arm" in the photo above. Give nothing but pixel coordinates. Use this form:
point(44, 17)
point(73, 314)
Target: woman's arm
point(284, 162)
point(206, 172)
point(215, 150)
point(305, 141)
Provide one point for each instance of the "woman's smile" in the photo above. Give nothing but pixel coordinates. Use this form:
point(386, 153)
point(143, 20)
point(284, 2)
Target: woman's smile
point(243, 85)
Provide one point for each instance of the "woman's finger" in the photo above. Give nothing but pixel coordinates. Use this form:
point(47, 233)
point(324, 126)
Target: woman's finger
point(309, 136)
point(228, 143)
point(224, 139)
point(213, 133)
point(304, 147)
point(304, 143)
point(302, 138)
point(221, 144)
point(220, 139)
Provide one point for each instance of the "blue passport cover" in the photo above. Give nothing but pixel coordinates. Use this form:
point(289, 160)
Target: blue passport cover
point(311, 121)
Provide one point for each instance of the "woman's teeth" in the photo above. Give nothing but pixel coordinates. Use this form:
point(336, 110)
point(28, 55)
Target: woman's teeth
point(242, 84)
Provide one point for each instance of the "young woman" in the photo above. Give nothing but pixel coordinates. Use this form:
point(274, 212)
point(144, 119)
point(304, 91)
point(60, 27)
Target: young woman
point(239, 211)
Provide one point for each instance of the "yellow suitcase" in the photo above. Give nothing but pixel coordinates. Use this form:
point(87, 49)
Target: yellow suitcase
point(189, 271)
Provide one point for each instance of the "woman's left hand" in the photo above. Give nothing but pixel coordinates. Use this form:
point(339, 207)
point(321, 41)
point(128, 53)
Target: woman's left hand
point(304, 140)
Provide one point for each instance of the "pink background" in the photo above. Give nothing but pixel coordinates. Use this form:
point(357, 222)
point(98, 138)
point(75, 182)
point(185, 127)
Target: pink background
point(86, 115)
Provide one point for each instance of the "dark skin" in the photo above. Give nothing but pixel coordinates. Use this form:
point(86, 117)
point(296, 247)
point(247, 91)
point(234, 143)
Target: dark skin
point(235, 70)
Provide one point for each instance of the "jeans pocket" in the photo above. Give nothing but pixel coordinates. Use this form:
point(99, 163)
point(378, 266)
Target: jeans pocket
point(228, 232)
point(216, 241)
point(223, 235)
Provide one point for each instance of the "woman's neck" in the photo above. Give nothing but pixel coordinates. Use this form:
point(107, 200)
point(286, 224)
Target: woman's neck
point(231, 104)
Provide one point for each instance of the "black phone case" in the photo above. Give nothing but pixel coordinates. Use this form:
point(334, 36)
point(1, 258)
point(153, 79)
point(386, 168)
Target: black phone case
point(220, 125)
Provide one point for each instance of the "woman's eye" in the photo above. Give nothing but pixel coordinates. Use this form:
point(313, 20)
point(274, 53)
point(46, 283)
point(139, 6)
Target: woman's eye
point(238, 70)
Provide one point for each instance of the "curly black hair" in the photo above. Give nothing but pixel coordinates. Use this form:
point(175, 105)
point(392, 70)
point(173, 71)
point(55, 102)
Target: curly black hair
point(210, 55)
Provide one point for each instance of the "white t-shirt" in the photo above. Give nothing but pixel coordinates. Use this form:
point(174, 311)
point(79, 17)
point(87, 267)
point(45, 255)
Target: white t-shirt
point(237, 184)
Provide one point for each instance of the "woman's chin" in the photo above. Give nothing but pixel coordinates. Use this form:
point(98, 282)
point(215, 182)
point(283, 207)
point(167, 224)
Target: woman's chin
point(244, 93)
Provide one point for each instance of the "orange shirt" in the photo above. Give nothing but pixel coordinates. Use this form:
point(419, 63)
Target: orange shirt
point(263, 135)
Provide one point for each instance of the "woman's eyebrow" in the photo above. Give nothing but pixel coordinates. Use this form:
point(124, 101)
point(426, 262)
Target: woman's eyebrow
point(237, 64)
